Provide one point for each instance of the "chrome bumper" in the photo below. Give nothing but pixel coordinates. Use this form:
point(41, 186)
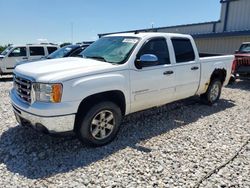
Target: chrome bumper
point(54, 124)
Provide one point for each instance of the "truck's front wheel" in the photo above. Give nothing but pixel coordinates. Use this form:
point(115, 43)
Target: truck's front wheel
point(100, 124)
point(213, 92)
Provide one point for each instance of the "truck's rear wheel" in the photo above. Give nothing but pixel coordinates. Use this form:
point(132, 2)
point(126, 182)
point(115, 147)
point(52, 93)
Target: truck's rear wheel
point(100, 124)
point(213, 92)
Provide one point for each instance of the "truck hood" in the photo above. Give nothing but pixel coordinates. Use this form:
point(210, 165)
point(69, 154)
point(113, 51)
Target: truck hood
point(57, 70)
point(242, 55)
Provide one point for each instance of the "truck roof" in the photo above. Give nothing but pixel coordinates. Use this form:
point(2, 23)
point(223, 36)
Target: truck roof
point(149, 34)
point(22, 45)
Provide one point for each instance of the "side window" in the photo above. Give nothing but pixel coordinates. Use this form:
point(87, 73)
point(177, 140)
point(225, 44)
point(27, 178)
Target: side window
point(184, 51)
point(18, 52)
point(76, 52)
point(51, 49)
point(156, 47)
point(37, 51)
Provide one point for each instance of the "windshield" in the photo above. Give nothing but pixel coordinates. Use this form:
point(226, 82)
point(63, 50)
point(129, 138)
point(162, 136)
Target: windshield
point(6, 51)
point(111, 49)
point(62, 52)
point(245, 48)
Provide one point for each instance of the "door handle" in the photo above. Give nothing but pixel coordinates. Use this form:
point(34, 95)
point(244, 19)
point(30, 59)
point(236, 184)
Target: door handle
point(25, 58)
point(194, 68)
point(168, 72)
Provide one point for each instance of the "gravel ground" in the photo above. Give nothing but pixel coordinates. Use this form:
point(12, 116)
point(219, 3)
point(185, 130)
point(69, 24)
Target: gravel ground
point(183, 144)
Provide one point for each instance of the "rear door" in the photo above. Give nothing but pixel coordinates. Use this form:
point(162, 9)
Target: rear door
point(36, 52)
point(187, 68)
point(17, 54)
point(154, 85)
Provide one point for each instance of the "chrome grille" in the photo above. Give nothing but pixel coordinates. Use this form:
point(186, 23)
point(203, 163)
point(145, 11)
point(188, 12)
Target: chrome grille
point(243, 61)
point(23, 88)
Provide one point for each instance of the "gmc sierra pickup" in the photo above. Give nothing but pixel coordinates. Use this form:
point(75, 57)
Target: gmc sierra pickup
point(117, 75)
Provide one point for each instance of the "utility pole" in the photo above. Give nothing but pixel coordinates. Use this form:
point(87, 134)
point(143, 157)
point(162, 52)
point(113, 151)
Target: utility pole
point(72, 31)
point(152, 25)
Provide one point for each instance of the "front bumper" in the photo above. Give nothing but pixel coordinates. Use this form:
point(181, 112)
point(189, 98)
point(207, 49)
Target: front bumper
point(44, 117)
point(55, 124)
point(243, 70)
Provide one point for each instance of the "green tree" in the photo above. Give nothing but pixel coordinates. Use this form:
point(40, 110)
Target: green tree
point(2, 48)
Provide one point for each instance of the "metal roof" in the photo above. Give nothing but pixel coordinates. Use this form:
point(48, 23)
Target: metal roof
point(223, 34)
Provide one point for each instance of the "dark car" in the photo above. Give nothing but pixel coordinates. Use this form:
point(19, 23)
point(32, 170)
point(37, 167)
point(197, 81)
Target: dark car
point(241, 65)
point(66, 51)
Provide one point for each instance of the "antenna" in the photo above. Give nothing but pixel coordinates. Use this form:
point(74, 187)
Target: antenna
point(72, 29)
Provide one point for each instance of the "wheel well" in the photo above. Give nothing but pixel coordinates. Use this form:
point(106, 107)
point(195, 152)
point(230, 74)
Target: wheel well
point(219, 74)
point(115, 96)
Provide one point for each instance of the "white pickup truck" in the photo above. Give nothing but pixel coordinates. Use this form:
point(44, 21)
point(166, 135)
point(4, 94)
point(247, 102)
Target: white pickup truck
point(117, 75)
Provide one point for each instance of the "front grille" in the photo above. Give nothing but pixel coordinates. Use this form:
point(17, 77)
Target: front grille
point(23, 88)
point(243, 61)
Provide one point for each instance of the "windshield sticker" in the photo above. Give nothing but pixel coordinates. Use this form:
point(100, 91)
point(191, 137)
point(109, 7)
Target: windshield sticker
point(133, 41)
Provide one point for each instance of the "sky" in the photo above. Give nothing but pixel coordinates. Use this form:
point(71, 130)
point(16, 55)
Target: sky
point(27, 21)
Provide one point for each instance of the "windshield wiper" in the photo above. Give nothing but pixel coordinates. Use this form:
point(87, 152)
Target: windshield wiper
point(98, 58)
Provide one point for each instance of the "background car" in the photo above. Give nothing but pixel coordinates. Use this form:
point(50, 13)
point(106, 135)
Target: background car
point(66, 51)
point(241, 65)
point(14, 54)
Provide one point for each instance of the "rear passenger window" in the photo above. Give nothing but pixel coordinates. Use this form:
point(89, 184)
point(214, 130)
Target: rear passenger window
point(156, 47)
point(51, 49)
point(37, 51)
point(184, 51)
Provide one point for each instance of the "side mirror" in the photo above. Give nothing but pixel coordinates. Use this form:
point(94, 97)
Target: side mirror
point(237, 51)
point(147, 60)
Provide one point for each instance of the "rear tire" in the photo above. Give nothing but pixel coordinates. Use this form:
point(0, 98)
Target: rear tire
point(213, 92)
point(232, 79)
point(100, 125)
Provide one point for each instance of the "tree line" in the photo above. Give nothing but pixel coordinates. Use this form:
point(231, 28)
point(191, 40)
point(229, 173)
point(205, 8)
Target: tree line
point(2, 48)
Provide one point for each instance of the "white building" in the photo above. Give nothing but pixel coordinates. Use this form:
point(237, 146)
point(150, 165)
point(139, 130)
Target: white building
point(218, 37)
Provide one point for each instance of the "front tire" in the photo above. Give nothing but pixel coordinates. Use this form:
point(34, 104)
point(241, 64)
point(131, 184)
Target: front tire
point(100, 125)
point(213, 92)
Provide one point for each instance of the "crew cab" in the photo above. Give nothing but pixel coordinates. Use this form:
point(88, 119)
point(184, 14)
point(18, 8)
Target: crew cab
point(117, 75)
point(17, 53)
point(241, 65)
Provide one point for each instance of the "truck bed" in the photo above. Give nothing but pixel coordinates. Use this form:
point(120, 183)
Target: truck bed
point(209, 54)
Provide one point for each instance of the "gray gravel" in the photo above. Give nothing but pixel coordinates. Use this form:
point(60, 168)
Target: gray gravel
point(177, 145)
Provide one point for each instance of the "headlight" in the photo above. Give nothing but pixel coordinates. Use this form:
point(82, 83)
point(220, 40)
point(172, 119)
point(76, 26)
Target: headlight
point(46, 92)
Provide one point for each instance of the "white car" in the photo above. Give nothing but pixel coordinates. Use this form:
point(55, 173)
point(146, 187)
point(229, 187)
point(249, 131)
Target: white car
point(117, 75)
point(17, 53)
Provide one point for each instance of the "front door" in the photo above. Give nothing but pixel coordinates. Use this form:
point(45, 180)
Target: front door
point(18, 54)
point(154, 85)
